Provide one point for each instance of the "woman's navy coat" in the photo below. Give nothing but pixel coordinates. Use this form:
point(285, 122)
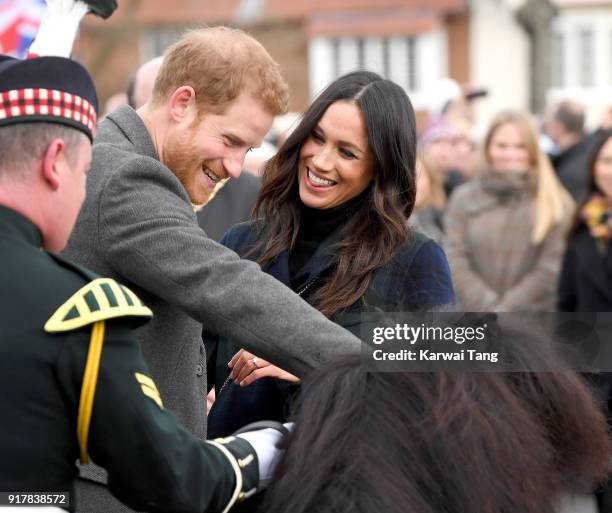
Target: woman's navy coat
point(416, 279)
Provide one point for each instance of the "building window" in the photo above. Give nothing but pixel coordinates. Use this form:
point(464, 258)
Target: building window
point(374, 58)
point(385, 58)
point(586, 51)
point(610, 60)
point(336, 56)
point(558, 64)
point(154, 42)
point(413, 62)
point(360, 53)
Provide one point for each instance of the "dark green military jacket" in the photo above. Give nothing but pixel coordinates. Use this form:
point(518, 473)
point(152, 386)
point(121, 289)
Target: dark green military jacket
point(51, 314)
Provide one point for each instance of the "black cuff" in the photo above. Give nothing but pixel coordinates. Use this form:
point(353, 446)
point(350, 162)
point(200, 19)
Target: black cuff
point(243, 459)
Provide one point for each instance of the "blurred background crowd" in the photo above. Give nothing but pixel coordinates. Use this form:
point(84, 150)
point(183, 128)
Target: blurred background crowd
point(497, 85)
point(514, 114)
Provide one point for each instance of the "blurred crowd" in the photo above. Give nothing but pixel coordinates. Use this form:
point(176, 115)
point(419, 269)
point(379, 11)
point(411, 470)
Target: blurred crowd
point(507, 207)
point(453, 152)
point(500, 203)
point(311, 221)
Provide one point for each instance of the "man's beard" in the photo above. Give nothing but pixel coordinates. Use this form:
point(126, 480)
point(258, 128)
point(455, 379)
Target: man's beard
point(181, 157)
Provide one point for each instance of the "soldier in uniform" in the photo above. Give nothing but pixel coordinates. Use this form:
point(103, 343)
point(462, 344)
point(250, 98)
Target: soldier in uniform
point(73, 379)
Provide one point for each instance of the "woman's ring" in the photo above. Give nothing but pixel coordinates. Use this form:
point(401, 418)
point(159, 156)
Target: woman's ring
point(254, 361)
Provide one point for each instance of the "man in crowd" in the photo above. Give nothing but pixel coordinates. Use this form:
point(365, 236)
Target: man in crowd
point(565, 127)
point(140, 84)
point(214, 98)
point(73, 376)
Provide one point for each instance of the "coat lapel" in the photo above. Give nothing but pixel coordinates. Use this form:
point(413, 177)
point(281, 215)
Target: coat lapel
point(279, 268)
point(134, 129)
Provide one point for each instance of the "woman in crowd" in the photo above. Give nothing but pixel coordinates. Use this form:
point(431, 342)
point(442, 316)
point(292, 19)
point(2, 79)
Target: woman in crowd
point(333, 212)
point(428, 213)
point(446, 150)
point(506, 228)
point(586, 276)
point(417, 442)
point(585, 284)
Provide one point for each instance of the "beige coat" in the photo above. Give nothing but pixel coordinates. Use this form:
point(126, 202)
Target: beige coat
point(494, 264)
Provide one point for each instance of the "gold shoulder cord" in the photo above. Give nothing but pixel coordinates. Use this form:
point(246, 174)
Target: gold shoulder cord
point(94, 303)
point(88, 390)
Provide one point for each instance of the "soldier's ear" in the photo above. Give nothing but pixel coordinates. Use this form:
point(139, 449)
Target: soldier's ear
point(182, 104)
point(54, 160)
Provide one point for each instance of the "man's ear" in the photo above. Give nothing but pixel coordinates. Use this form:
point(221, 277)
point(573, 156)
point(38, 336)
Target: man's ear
point(53, 161)
point(182, 103)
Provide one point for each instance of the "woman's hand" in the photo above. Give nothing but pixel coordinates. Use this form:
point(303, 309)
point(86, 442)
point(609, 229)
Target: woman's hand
point(210, 400)
point(248, 368)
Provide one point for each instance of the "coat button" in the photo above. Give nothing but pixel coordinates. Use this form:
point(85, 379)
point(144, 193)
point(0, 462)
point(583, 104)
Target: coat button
point(199, 370)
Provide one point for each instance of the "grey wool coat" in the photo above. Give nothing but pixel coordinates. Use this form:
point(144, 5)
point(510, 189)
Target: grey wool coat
point(138, 226)
point(494, 264)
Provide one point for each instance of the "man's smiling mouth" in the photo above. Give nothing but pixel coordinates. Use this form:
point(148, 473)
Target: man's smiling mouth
point(211, 175)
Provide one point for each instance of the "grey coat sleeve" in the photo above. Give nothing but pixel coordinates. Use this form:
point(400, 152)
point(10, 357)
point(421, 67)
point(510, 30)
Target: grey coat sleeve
point(148, 234)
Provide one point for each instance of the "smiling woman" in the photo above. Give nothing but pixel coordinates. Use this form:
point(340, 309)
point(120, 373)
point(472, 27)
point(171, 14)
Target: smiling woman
point(335, 161)
point(332, 225)
point(505, 230)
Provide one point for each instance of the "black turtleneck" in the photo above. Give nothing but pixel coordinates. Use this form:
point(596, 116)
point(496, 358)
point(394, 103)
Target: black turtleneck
point(316, 224)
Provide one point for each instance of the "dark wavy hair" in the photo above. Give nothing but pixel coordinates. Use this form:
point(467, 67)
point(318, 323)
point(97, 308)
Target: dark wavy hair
point(601, 139)
point(378, 227)
point(431, 442)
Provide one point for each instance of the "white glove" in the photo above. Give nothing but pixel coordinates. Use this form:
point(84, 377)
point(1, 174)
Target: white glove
point(265, 442)
point(59, 27)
